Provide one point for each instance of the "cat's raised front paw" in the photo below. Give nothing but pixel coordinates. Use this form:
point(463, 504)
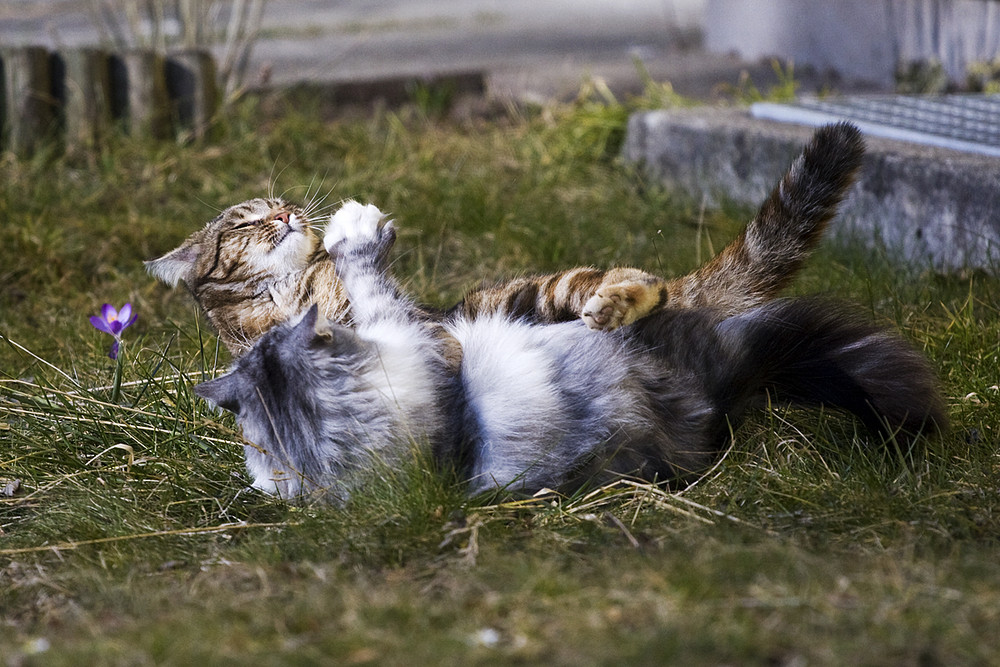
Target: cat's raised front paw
point(357, 223)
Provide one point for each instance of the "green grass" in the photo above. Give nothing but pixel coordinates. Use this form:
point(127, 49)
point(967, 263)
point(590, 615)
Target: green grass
point(134, 539)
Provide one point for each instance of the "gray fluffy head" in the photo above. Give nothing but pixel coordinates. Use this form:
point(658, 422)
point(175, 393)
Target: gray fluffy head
point(301, 399)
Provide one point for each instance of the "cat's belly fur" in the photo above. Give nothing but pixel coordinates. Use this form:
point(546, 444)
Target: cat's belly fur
point(541, 398)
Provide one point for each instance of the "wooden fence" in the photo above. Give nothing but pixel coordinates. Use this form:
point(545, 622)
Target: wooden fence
point(73, 97)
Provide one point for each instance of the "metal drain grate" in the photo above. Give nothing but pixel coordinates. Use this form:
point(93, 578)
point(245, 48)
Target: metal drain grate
point(968, 123)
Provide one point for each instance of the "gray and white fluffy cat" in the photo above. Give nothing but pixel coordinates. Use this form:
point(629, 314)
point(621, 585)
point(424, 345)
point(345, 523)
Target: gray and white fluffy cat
point(543, 405)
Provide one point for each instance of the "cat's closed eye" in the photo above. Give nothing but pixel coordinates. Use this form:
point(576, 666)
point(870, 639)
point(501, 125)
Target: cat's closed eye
point(246, 225)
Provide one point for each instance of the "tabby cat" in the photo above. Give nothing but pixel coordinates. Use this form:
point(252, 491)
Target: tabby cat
point(543, 405)
point(260, 263)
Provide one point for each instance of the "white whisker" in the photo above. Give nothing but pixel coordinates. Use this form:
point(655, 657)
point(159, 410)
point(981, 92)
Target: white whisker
point(272, 180)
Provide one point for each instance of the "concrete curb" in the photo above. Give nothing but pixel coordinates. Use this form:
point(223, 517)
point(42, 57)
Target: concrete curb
point(936, 208)
point(392, 91)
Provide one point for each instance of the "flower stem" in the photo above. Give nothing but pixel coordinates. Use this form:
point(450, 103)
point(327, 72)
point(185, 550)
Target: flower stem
point(116, 385)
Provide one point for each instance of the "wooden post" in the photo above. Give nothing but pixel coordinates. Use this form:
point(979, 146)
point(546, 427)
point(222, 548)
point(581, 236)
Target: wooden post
point(85, 96)
point(28, 102)
point(191, 83)
point(139, 88)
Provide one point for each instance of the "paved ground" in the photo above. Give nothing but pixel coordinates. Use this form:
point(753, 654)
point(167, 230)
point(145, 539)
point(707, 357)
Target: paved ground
point(528, 48)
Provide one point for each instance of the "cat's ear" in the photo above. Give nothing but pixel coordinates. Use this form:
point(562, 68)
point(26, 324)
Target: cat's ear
point(306, 328)
point(221, 392)
point(310, 318)
point(312, 326)
point(175, 266)
point(313, 330)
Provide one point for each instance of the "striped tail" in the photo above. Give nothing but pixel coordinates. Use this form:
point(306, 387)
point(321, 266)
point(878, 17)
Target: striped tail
point(768, 253)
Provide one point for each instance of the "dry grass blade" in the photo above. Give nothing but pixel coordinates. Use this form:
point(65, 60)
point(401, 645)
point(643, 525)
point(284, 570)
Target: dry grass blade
point(34, 356)
point(180, 532)
point(626, 495)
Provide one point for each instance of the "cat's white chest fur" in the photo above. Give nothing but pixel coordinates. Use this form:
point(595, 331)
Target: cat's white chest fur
point(402, 375)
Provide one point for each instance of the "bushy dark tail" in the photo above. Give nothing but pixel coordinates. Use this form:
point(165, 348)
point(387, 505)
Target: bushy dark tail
point(766, 256)
point(814, 352)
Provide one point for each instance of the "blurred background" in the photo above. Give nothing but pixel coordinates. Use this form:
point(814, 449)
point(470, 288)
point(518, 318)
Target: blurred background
point(535, 49)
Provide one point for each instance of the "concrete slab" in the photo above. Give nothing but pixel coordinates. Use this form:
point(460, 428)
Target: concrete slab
point(934, 207)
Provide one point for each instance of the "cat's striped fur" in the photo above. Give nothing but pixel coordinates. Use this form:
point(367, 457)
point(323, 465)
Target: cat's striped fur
point(259, 262)
point(544, 405)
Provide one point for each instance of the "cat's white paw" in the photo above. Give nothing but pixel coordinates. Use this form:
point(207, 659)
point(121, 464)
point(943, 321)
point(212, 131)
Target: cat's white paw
point(354, 222)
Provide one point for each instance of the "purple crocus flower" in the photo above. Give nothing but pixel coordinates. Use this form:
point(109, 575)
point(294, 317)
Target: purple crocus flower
point(114, 322)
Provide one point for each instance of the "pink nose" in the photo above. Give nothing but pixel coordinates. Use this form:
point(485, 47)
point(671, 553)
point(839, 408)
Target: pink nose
point(284, 217)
